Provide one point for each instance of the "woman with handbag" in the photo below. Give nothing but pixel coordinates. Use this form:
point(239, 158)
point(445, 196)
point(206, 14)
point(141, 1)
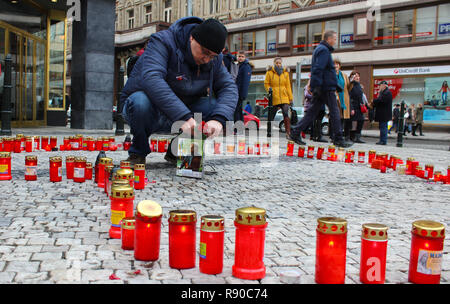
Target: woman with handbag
point(359, 105)
point(343, 98)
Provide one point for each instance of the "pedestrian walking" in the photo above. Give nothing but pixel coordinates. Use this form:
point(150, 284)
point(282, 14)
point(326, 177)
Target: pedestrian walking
point(242, 82)
point(395, 118)
point(383, 111)
point(277, 78)
point(444, 92)
point(229, 61)
point(409, 120)
point(418, 120)
point(316, 132)
point(345, 106)
point(323, 86)
point(357, 102)
point(178, 74)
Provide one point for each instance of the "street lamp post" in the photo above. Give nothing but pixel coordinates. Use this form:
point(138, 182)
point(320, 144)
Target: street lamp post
point(400, 125)
point(269, 120)
point(6, 104)
point(119, 119)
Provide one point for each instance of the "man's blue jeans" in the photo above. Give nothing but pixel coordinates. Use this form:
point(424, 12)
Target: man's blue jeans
point(383, 131)
point(144, 119)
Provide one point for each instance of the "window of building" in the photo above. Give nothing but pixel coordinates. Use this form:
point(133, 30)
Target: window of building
point(116, 24)
point(346, 33)
point(444, 21)
point(130, 18)
point(260, 43)
point(168, 11)
point(213, 6)
point(241, 3)
point(235, 43)
point(247, 43)
point(426, 23)
point(403, 26)
point(271, 42)
point(314, 35)
point(148, 13)
point(383, 29)
point(299, 43)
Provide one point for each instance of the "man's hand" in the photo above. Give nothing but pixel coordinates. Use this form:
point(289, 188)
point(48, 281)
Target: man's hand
point(212, 128)
point(353, 112)
point(189, 126)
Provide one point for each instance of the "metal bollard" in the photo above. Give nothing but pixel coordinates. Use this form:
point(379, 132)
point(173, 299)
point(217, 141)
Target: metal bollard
point(6, 103)
point(400, 125)
point(119, 119)
point(269, 116)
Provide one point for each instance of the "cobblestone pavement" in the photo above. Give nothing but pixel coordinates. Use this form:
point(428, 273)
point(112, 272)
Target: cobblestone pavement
point(58, 232)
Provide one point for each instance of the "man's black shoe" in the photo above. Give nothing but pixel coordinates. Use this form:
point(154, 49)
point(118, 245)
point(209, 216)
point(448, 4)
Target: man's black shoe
point(169, 155)
point(343, 144)
point(297, 140)
point(134, 159)
point(381, 143)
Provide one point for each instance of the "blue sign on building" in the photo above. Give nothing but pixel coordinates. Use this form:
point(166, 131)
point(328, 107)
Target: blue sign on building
point(444, 29)
point(271, 47)
point(347, 38)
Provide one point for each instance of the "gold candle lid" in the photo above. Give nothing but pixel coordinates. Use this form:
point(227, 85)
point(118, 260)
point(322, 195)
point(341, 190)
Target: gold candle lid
point(182, 216)
point(212, 223)
point(31, 157)
point(109, 167)
point(372, 151)
point(128, 223)
point(44, 137)
point(301, 147)
point(55, 158)
point(332, 225)
point(5, 154)
point(122, 191)
point(310, 147)
point(411, 159)
point(419, 168)
point(437, 172)
point(28, 138)
point(148, 209)
point(124, 174)
point(351, 151)
point(429, 166)
point(290, 142)
point(251, 216)
point(125, 163)
point(139, 166)
point(105, 160)
point(341, 149)
point(331, 147)
point(429, 229)
point(361, 152)
point(80, 159)
point(374, 232)
point(70, 158)
point(53, 137)
point(66, 137)
point(88, 165)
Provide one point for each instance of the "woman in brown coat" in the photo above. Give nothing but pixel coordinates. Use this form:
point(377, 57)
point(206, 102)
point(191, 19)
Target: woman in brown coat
point(343, 99)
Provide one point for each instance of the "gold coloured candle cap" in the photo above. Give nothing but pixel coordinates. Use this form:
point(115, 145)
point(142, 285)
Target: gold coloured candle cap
point(31, 157)
point(105, 160)
point(332, 225)
point(419, 168)
point(5, 154)
point(411, 159)
point(28, 138)
point(148, 209)
point(109, 167)
point(124, 174)
point(55, 158)
point(429, 229)
point(88, 165)
point(53, 137)
point(125, 163)
point(182, 216)
point(139, 166)
point(341, 149)
point(331, 147)
point(80, 159)
point(374, 232)
point(250, 216)
point(70, 158)
point(128, 223)
point(122, 191)
point(212, 223)
point(429, 166)
point(310, 147)
point(290, 142)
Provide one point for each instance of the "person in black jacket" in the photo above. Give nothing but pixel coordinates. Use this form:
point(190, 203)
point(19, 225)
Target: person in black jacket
point(356, 100)
point(383, 111)
point(323, 86)
point(395, 118)
point(242, 82)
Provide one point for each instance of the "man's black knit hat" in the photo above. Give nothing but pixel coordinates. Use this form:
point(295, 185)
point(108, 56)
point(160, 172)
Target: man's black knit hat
point(211, 34)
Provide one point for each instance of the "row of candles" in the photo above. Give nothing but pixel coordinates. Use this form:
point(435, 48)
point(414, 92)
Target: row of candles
point(379, 161)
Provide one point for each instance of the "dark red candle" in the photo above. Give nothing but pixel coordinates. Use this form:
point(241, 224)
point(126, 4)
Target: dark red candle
point(55, 169)
point(79, 171)
point(17, 145)
point(139, 176)
point(88, 172)
point(290, 148)
point(301, 151)
point(103, 162)
point(36, 142)
point(310, 153)
point(250, 223)
point(182, 236)
point(70, 164)
point(122, 197)
point(5, 166)
point(429, 171)
point(31, 168)
point(8, 144)
point(53, 141)
point(212, 233)
point(147, 233)
point(28, 144)
point(128, 225)
point(331, 246)
point(361, 157)
point(320, 152)
point(372, 154)
point(98, 144)
point(427, 246)
point(331, 152)
point(373, 253)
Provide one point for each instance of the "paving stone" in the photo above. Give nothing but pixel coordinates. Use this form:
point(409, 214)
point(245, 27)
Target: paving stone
point(22, 266)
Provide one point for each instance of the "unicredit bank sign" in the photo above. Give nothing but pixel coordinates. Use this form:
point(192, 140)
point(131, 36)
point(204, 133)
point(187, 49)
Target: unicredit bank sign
point(443, 69)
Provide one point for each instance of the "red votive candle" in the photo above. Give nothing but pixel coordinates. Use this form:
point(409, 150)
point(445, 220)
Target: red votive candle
point(128, 225)
point(373, 253)
point(437, 176)
point(310, 153)
point(348, 156)
point(290, 148)
point(88, 172)
point(427, 244)
point(420, 172)
point(372, 154)
point(70, 165)
point(90, 144)
point(429, 171)
point(17, 145)
point(8, 144)
point(55, 169)
point(36, 142)
point(320, 152)
point(79, 171)
point(28, 144)
point(331, 246)
point(5, 166)
point(105, 143)
point(103, 162)
point(361, 157)
point(250, 223)
point(241, 147)
point(66, 141)
point(44, 142)
point(31, 168)
point(122, 197)
point(98, 144)
point(331, 152)
point(409, 170)
point(53, 141)
point(126, 145)
point(147, 234)
point(301, 151)
point(182, 235)
point(162, 145)
point(139, 176)
point(154, 145)
point(212, 233)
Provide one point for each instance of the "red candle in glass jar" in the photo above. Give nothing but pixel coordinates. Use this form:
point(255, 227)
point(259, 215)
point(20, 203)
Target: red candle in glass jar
point(84, 146)
point(79, 139)
point(70, 164)
point(331, 246)
point(409, 161)
point(103, 162)
point(290, 148)
point(128, 225)
point(88, 172)
point(122, 197)
point(53, 141)
point(105, 143)
point(31, 168)
point(320, 152)
point(5, 166)
point(79, 170)
point(301, 152)
point(420, 172)
point(8, 144)
point(28, 144)
point(126, 145)
point(361, 157)
point(55, 169)
point(212, 234)
point(448, 175)
point(250, 149)
point(35, 142)
point(348, 156)
point(98, 144)
point(437, 176)
point(331, 152)
point(310, 153)
point(154, 145)
point(429, 171)
point(372, 154)
point(182, 236)
point(66, 141)
point(241, 147)
point(374, 239)
point(90, 142)
point(162, 144)
point(1, 144)
point(397, 161)
point(109, 179)
point(17, 145)
point(427, 244)
point(147, 233)
point(250, 223)
point(139, 176)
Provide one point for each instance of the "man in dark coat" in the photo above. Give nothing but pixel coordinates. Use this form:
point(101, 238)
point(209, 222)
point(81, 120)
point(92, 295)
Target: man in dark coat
point(383, 111)
point(242, 82)
point(180, 73)
point(323, 85)
point(395, 118)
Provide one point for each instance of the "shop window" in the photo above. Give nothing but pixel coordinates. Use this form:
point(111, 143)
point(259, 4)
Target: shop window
point(444, 21)
point(403, 26)
point(235, 43)
point(314, 35)
point(383, 29)
point(40, 80)
point(272, 42)
point(247, 43)
point(346, 33)
point(260, 43)
point(299, 41)
point(426, 23)
point(56, 66)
